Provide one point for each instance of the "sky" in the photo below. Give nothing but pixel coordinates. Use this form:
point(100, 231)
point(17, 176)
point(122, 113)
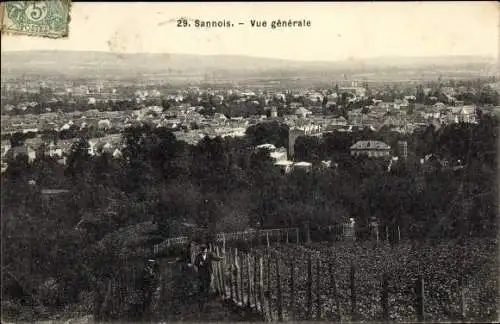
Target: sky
point(338, 31)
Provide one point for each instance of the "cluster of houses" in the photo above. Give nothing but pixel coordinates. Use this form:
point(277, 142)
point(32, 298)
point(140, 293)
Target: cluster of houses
point(181, 118)
point(396, 117)
point(306, 104)
point(364, 148)
point(368, 148)
point(188, 124)
point(33, 148)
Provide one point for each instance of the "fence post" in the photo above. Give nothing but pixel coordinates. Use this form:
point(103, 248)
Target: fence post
point(399, 235)
point(292, 288)
point(297, 235)
point(249, 284)
point(215, 274)
point(318, 289)
point(385, 297)
point(287, 236)
point(103, 306)
point(242, 284)
point(309, 288)
point(280, 296)
point(231, 268)
point(267, 239)
point(111, 301)
point(221, 267)
point(386, 233)
point(255, 289)
point(353, 290)
point(420, 291)
point(261, 285)
point(236, 277)
point(335, 291)
point(268, 275)
point(224, 273)
point(120, 291)
point(463, 306)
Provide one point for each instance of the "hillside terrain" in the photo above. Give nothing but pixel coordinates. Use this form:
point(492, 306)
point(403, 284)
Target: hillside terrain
point(102, 64)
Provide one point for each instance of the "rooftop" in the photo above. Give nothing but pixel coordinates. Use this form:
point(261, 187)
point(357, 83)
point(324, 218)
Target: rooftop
point(302, 111)
point(266, 146)
point(370, 145)
point(284, 163)
point(303, 164)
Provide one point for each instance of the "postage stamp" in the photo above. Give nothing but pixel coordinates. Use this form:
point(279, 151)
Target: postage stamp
point(43, 18)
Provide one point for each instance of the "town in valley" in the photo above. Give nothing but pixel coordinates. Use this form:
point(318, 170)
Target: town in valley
point(341, 168)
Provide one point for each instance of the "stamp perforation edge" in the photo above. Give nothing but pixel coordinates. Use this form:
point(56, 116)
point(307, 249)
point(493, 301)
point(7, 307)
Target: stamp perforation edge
point(4, 31)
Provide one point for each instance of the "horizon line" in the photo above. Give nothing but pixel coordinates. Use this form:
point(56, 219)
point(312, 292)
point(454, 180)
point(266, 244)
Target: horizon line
point(485, 56)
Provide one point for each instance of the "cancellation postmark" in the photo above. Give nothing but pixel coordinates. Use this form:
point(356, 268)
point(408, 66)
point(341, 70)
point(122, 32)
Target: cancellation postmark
point(43, 18)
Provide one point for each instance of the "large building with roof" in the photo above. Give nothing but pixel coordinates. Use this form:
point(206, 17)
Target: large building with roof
point(370, 149)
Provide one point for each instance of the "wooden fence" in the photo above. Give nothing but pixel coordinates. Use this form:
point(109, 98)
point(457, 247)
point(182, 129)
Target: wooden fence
point(287, 235)
point(268, 285)
point(246, 279)
point(267, 236)
point(120, 294)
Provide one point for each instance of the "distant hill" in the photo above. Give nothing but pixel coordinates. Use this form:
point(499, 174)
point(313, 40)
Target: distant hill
point(84, 63)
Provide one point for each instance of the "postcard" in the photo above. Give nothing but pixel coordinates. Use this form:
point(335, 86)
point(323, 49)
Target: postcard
point(248, 161)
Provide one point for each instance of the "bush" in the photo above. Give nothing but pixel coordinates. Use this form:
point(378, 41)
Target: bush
point(49, 292)
point(11, 309)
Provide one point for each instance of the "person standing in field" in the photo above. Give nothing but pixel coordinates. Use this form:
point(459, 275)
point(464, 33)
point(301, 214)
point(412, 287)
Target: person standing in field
point(203, 263)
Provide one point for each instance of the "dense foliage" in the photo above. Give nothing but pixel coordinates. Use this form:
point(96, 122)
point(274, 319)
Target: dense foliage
point(449, 269)
point(58, 247)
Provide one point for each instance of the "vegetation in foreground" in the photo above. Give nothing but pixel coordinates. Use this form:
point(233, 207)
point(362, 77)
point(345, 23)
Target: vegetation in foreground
point(447, 268)
point(58, 248)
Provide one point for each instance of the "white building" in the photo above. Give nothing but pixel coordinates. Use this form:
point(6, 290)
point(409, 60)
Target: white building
point(279, 155)
point(270, 147)
point(306, 166)
point(284, 165)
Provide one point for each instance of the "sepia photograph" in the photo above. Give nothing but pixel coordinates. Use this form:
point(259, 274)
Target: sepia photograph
point(249, 162)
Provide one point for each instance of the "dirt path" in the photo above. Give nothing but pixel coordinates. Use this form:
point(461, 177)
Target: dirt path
point(174, 299)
